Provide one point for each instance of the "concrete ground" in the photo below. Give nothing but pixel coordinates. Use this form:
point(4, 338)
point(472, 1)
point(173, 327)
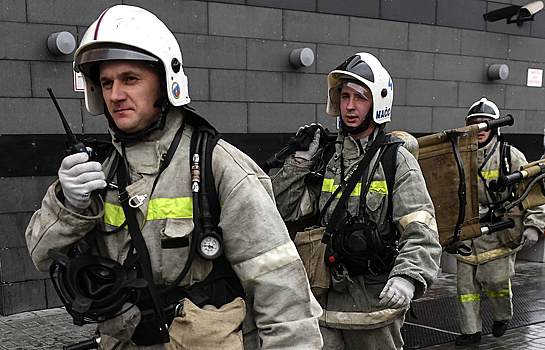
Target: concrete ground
point(53, 328)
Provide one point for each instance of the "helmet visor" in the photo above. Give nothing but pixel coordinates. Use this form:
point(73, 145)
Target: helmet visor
point(84, 61)
point(482, 108)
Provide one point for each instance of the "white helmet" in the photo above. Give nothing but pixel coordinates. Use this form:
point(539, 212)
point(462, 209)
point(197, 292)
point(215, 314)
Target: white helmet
point(483, 108)
point(366, 69)
point(125, 32)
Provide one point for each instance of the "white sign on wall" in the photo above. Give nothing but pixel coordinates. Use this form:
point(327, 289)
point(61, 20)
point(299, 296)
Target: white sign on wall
point(79, 84)
point(535, 77)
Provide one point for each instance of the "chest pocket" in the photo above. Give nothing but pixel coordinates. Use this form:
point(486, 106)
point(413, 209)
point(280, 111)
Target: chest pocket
point(176, 239)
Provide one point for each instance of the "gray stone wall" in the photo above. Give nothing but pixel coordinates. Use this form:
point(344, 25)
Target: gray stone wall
point(236, 58)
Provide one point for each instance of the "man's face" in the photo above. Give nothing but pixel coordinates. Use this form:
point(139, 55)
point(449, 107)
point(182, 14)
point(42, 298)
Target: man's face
point(483, 135)
point(130, 88)
point(356, 100)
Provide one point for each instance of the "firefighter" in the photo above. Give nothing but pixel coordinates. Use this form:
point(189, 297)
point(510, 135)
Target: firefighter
point(133, 72)
point(492, 261)
point(365, 305)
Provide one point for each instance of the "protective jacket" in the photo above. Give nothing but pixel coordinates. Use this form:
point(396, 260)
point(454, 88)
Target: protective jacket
point(257, 244)
point(412, 212)
point(494, 246)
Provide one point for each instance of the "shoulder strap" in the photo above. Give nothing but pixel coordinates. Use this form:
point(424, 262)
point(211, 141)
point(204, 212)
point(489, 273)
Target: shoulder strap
point(355, 176)
point(389, 161)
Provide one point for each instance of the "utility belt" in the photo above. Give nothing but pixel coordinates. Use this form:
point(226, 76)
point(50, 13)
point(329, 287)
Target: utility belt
point(361, 248)
point(217, 289)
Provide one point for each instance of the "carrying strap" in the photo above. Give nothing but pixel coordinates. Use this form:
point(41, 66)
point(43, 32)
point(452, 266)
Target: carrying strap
point(137, 240)
point(354, 177)
point(142, 250)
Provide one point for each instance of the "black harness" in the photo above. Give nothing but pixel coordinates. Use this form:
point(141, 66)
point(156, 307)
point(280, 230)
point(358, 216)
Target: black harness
point(355, 241)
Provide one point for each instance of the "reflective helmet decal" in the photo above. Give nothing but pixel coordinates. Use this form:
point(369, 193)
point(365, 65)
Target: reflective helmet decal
point(176, 90)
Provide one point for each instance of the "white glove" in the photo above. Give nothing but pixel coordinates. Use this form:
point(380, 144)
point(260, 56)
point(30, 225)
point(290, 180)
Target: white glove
point(397, 293)
point(78, 179)
point(312, 148)
point(529, 237)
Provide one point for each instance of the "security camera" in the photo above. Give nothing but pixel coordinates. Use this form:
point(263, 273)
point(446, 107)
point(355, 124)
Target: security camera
point(514, 13)
point(531, 9)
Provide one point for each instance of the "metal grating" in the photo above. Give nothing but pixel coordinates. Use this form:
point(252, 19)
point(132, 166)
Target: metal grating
point(437, 321)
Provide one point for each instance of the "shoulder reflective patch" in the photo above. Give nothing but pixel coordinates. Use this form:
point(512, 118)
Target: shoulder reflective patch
point(420, 216)
point(266, 262)
point(158, 209)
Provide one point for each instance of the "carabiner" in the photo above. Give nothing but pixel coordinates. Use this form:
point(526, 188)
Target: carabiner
point(137, 200)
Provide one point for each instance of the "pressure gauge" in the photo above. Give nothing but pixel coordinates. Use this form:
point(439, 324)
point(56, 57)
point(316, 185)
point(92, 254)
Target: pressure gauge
point(210, 246)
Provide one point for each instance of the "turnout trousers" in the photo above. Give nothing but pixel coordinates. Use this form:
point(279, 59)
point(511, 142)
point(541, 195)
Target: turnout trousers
point(495, 278)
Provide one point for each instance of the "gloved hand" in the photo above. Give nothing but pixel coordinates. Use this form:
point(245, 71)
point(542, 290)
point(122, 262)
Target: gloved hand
point(397, 293)
point(529, 237)
point(313, 146)
point(78, 179)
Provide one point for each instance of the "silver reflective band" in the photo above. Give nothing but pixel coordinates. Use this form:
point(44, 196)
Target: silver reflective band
point(266, 262)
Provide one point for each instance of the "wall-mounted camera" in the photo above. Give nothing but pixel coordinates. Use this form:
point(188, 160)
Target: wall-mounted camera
point(514, 13)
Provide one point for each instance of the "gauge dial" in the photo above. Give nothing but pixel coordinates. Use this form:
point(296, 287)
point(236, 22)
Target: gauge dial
point(211, 246)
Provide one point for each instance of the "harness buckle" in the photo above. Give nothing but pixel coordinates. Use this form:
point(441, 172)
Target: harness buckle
point(137, 200)
point(177, 309)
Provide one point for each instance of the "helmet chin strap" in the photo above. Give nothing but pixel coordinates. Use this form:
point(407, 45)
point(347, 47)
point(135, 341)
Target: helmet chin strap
point(121, 136)
point(354, 130)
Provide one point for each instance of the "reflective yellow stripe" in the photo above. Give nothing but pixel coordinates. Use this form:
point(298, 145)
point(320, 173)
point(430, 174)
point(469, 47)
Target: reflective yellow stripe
point(464, 298)
point(493, 174)
point(113, 215)
point(379, 186)
point(376, 186)
point(158, 208)
point(170, 208)
point(498, 294)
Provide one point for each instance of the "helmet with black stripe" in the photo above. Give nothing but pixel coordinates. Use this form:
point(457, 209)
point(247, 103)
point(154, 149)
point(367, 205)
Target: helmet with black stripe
point(365, 69)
